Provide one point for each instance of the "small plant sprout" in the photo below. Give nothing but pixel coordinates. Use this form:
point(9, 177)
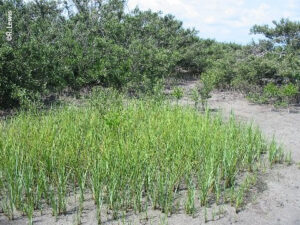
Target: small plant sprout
point(288, 158)
point(177, 93)
point(208, 84)
point(190, 202)
point(195, 97)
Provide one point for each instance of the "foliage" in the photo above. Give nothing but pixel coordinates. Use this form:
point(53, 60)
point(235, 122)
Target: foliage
point(177, 93)
point(195, 96)
point(289, 90)
point(129, 156)
point(208, 84)
point(60, 45)
point(277, 95)
point(285, 32)
point(97, 43)
point(254, 67)
point(271, 90)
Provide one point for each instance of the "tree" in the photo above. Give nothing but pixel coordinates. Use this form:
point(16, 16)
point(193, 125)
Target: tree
point(285, 33)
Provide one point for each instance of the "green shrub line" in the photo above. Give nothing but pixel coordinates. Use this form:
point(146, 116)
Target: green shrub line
point(129, 154)
point(276, 95)
point(57, 46)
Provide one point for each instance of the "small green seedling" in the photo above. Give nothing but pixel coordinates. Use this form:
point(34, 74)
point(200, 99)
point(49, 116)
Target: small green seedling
point(177, 93)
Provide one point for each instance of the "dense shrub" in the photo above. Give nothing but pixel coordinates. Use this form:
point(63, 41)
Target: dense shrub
point(55, 46)
point(77, 43)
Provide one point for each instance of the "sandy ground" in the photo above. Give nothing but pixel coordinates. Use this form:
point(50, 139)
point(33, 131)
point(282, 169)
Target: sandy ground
point(275, 201)
point(280, 202)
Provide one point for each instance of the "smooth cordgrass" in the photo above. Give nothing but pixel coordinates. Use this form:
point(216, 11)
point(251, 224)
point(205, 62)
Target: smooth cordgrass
point(129, 154)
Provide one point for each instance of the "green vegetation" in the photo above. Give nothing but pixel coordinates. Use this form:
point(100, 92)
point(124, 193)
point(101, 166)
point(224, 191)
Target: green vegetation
point(254, 67)
point(84, 43)
point(127, 153)
point(276, 95)
point(59, 45)
point(177, 93)
point(208, 82)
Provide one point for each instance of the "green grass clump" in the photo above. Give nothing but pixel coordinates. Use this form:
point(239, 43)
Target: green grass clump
point(129, 154)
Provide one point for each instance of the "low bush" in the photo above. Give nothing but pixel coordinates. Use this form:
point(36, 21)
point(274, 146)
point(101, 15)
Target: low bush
point(276, 95)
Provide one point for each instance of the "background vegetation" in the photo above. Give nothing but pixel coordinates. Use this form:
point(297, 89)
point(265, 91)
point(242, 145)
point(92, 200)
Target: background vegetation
point(73, 44)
